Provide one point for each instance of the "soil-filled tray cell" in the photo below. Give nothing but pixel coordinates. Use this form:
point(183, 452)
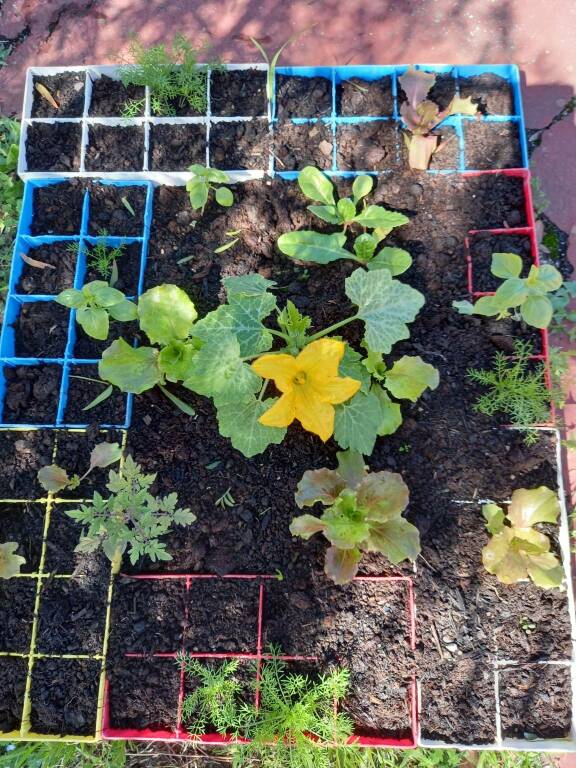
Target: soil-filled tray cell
point(64, 696)
point(13, 672)
point(370, 146)
point(441, 93)
point(53, 146)
point(303, 96)
point(87, 348)
point(41, 330)
point(22, 455)
point(492, 94)
point(296, 146)
point(115, 148)
point(17, 598)
point(109, 212)
point(32, 393)
point(127, 265)
point(483, 245)
point(495, 201)
point(238, 93)
point(24, 524)
point(62, 539)
point(48, 280)
point(111, 97)
point(240, 145)
point(491, 145)
point(458, 702)
point(365, 98)
point(73, 454)
point(143, 693)
point(222, 615)
point(57, 208)
point(176, 147)
point(81, 392)
point(535, 702)
point(148, 616)
point(447, 154)
point(66, 89)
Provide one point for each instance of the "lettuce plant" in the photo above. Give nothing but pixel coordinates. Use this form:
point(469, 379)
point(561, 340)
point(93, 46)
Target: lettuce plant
point(10, 562)
point(364, 513)
point(517, 550)
point(421, 115)
point(351, 214)
point(54, 478)
point(202, 181)
point(528, 294)
point(95, 304)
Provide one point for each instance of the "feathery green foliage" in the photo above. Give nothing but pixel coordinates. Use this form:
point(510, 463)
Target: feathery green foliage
point(213, 700)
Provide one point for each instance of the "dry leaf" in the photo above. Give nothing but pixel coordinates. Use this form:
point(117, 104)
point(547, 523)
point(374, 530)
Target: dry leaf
point(35, 263)
point(45, 93)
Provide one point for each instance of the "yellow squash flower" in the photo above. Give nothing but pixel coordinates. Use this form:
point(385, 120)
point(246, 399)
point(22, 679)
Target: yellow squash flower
point(310, 386)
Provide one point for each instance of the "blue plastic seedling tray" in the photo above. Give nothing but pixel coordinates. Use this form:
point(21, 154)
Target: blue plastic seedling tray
point(25, 241)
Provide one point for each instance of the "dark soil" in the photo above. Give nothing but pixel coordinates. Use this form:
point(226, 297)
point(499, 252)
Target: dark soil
point(63, 536)
point(483, 245)
point(493, 94)
point(16, 611)
point(64, 696)
point(66, 89)
point(536, 702)
point(441, 93)
point(58, 208)
point(48, 281)
point(53, 146)
point(176, 147)
point(22, 454)
point(115, 148)
point(489, 145)
point(73, 454)
point(447, 154)
point(87, 348)
point(493, 202)
point(238, 93)
point(371, 146)
point(128, 266)
point(358, 97)
point(240, 146)
point(296, 146)
point(303, 96)
point(82, 392)
point(109, 96)
point(108, 212)
point(41, 330)
point(32, 394)
point(13, 672)
point(24, 524)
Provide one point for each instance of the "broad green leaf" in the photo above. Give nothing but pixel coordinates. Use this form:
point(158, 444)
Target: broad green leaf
point(462, 106)
point(306, 526)
point(364, 247)
point(129, 369)
point(307, 245)
point(391, 412)
point(361, 187)
point(71, 298)
point(94, 321)
point(397, 260)
point(224, 197)
point(242, 318)
point(239, 422)
point(545, 277)
point(506, 265)
point(376, 217)
point(322, 485)
point(385, 305)
point(53, 478)
point(463, 307)
point(343, 530)
point(536, 311)
point(487, 306)
point(382, 496)
point(176, 360)
point(351, 468)
point(346, 208)
point(315, 185)
point(356, 423)
point(104, 454)
point(397, 539)
point(124, 311)
point(107, 296)
point(351, 365)
point(545, 570)
point(328, 213)
point(506, 564)
point(166, 313)
point(10, 562)
point(409, 377)
point(341, 565)
point(216, 176)
point(252, 284)
point(511, 293)
point(198, 192)
point(494, 516)
point(538, 505)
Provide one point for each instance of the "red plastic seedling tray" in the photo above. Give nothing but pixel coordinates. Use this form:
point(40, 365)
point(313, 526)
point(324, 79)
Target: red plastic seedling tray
point(180, 733)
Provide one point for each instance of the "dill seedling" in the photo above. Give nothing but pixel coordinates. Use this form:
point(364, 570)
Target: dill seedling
point(213, 702)
point(102, 258)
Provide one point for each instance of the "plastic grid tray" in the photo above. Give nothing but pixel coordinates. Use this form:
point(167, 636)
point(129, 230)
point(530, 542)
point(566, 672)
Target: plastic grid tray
point(14, 301)
point(258, 656)
point(39, 578)
point(334, 74)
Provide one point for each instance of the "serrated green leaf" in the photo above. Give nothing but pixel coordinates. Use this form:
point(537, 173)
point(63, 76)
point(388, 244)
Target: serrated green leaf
point(315, 185)
point(242, 318)
point(396, 260)
point(409, 377)
point(307, 245)
point(239, 422)
point(129, 369)
point(357, 422)
point(351, 365)
point(322, 485)
point(252, 284)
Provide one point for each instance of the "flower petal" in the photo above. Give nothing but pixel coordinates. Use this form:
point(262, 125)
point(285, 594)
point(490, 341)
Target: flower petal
point(280, 368)
point(281, 414)
point(338, 390)
point(320, 359)
point(314, 415)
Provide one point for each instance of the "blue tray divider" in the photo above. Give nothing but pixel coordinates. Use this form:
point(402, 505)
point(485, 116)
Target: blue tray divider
point(148, 211)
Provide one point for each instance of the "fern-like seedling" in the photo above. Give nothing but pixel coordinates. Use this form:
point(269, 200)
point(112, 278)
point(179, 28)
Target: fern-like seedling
point(213, 702)
point(103, 259)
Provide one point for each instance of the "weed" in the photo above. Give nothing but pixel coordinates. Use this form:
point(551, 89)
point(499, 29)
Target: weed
point(226, 500)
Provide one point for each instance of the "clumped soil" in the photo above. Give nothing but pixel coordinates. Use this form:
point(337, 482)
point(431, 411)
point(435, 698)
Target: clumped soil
point(24, 524)
point(16, 612)
point(303, 96)
point(536, 702)
point(81, 393)
point(238, 93)
point(53, 146)
point(115, 148)
point(63, 537)
point(176, 147)
point(358, 98)
point(296, 146)
point(372, 146)
point(22, 454)
point(489, 145)
point(32, 394)
point(110, 96)
point(127, 265)
point(88, 348)
point(483, 245)
point(67, 90)
point(57, 208)
point(13, 673)
point(64, 696)
point(240, 145)
point(108, 212)
point(52, 279)
point(493, 94)
point(41, 329)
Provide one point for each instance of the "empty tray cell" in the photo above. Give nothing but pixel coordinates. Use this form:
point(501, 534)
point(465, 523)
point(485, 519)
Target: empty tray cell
point(109, 209)
point(238, 93)
point(111, 98)
point(298, 145)
point(53, 146)
point(369, 146)
point(24, 525)
point(493, 201)
point(17, 598)
point(148, 615)
point(239, 145)
point(303, 96)
point(57, 274)
point(490, 145)
point(483, 245)
point(115, 148)
point(57, 208)
point(13, 673)
point(61, 541)
point(357, 97)
point(447, 154)
point(536, 702)
point(176, 147)
point(22, 455)
point(64, 695)
point(66, 89)
point(32, 393)
point(492, 94)
point(73, 453)
point(82, 391)
point(100, 260)
point(441, 93)
point(41, 329)
point(222, 615)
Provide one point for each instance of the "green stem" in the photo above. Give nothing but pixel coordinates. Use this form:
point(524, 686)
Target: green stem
point(331, 329)
point(278, 333)
point(261, 395)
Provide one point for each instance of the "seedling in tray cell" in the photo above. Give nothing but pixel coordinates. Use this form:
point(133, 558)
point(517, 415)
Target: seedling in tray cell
point(203, 180)
point(54, 478)
point(364, 513)
point(10, 562)
point(102, 258)
point(213, 702)
point(95, 304)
